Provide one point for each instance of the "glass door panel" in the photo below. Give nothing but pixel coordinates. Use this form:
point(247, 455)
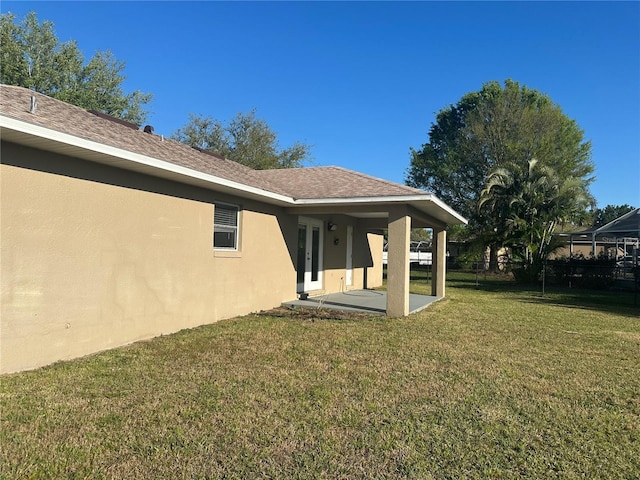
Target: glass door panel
point(310, 247)
point(315, 254)
point(302, 256)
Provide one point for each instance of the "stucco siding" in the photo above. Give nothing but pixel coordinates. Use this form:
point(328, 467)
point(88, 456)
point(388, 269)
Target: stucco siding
point(374, 273)
point(93, 257)
point(366, 257)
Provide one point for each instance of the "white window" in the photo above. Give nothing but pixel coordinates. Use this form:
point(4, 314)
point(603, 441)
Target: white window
point(226, 221)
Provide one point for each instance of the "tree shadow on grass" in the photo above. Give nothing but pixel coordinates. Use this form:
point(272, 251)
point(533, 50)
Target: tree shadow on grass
point(617, 302)
point(493, 284)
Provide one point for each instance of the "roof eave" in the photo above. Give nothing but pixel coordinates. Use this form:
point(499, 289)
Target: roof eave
point(420, 201)
point(610, 227)
point(59, 142)
point(26, 133)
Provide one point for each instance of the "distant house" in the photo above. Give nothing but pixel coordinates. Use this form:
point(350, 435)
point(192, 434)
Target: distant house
point(111, 234)
point(618, 239)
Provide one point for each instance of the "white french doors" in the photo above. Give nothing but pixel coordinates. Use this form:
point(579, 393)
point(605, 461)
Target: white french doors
point(310, 242)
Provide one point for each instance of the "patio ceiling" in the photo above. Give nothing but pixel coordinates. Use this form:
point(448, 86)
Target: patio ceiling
point(425, 210)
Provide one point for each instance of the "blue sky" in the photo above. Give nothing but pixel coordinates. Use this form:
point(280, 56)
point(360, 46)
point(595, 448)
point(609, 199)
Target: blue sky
point(363, 81)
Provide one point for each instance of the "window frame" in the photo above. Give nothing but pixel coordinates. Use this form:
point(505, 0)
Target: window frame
point(238, 212)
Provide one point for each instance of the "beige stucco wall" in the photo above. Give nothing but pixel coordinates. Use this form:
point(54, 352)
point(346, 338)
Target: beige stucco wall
point(92, 257)
point(374, 273)
point(110, 257)
point(366, 256)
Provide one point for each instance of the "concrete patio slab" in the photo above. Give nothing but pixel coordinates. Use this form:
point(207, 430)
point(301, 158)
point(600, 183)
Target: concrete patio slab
point(370, 301)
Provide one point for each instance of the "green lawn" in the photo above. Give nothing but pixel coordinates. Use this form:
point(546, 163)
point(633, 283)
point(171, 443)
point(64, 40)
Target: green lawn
point(492, 382)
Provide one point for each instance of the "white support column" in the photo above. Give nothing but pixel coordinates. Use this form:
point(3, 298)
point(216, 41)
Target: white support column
point(439, 260)
point(398, 263)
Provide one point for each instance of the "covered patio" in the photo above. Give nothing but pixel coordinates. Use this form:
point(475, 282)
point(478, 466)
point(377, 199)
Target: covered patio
point(365, 301)
point(397, 214)
point(333, 196)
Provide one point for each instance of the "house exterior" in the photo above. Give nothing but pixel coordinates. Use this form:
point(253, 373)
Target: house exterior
point(110, 234)
point(619, 238)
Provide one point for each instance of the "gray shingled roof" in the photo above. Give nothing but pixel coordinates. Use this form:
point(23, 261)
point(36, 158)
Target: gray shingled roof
point(298, 183)
point(62, 117)
point(627, 225)
point(334, 182)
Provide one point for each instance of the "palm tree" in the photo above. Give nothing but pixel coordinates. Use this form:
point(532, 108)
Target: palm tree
point(527, 202)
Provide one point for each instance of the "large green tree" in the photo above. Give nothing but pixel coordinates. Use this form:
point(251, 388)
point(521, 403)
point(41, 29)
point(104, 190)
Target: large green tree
point(498, 130)
point(31, 56)
point(245, 139)
point(447, 165)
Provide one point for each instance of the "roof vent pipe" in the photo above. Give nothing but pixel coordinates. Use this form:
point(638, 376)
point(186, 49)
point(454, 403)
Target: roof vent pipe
point(34, 104)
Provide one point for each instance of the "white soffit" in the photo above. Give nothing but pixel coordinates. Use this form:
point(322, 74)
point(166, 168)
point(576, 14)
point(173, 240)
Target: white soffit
point(427, 203)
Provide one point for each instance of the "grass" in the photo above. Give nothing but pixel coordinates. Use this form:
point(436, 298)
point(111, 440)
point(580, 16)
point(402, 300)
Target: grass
point(494, 382)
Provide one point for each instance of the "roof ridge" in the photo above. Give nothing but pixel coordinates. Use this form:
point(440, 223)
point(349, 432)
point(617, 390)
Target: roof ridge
point(60, 116)
point(34, 92)
point(620, 219)
point(327, 181)
point(330, 181)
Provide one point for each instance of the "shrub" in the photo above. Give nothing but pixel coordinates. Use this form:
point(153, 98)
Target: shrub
point(583, 272)
point(525, 273)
